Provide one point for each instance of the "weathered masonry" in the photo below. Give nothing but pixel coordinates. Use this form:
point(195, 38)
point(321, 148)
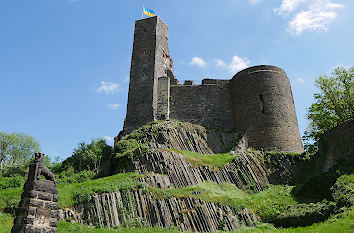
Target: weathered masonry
point(257, 100)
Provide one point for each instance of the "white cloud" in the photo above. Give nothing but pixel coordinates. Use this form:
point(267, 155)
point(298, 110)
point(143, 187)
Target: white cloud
point(113, 106)
point(300, 80)
point(236, 64)
point(220, 62)
point(288, 6)
point(254, 2)
point(198, 61)
point(317, 18)
point(310, 15)
point(108, 138)
point(107, 87)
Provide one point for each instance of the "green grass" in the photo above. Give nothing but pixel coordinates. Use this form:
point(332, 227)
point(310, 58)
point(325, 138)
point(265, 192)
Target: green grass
point(274, 205)
point(64, 227)
point(71, 194)
point(214, 161)
point(343, 222)
point(265, 204)
point(6, 222)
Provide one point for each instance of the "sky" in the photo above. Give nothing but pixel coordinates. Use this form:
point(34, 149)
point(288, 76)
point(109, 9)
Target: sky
point(64, 64)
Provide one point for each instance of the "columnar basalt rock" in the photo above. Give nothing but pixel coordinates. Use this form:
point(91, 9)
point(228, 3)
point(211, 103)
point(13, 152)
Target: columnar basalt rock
point(142, 208)
point(38, 209)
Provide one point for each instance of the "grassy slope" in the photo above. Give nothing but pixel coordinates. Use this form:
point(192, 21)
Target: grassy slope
point(343, 222)
point(69, 194)
point(265, 204)
point(213, 161)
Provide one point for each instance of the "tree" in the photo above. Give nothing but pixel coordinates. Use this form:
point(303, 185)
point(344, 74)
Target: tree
point(16, 149)
point(88, 156)
point(334, 104)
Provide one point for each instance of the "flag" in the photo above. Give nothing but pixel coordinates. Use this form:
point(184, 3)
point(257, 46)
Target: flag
point(149, 12)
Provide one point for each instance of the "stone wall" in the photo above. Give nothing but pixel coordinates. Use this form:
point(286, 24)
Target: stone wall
point(38, 209)
point(262, 104)
point(336, 146)
point(208, 104)
point(163, 104)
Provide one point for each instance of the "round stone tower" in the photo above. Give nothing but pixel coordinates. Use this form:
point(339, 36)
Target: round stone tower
point(263, 107)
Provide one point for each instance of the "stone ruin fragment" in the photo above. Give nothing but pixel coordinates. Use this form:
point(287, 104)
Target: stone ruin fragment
point(37, 211)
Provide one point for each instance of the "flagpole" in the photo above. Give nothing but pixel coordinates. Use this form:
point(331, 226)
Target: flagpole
point(142, 13)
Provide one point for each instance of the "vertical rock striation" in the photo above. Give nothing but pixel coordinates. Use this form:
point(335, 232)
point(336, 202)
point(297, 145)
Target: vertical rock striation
point(141, 208)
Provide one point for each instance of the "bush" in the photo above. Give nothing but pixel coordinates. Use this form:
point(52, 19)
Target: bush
point(304, 214)
point(11, 182)
point(343, 191)
point(69, 177)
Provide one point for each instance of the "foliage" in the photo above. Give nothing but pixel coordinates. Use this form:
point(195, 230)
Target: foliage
point(16, 149)
point(69, 177)
point(71, 194)
point(64, 227)
point(274, 205)
point(342, 222)
point(11, 182)
point(88, 156)
point(6, 222)
point(304, 214)
point(333, 105)
point(214, 161)
point(343, 191)
point(10, 197)
point(124, 152)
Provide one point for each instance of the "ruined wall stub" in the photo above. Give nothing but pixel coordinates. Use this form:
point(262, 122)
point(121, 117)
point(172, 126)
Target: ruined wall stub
point(38, 209)
point(163, 105)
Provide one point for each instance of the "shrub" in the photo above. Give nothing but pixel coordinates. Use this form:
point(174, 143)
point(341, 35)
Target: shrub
point(343, 191)
point(11, 182)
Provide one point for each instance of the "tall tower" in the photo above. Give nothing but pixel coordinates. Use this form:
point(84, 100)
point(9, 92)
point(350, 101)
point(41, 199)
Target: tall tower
point(150, 63)
point(263, 106)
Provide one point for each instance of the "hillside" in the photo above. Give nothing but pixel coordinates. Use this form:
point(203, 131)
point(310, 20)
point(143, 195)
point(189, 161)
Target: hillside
point(186, 177)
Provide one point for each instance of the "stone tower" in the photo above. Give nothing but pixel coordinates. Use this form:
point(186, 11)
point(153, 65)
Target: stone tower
point(263, 107)
point(150, 74)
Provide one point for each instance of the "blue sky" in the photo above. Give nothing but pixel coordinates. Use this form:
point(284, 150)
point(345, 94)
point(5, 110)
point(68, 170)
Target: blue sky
point(64, 64)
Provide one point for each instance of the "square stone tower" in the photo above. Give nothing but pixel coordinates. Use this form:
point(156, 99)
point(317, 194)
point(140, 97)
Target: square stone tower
point(150, 63)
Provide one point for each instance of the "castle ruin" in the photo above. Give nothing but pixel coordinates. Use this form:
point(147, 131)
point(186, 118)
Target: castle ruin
point(257, 101)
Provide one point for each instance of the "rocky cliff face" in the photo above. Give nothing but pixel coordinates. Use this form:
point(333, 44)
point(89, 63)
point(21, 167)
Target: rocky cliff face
point(246, 170)
point(142, 208)
point(155, 149)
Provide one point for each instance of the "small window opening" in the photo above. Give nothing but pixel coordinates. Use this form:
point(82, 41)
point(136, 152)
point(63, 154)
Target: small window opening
point(143, 76)
point(262, 103)
point(144, 52)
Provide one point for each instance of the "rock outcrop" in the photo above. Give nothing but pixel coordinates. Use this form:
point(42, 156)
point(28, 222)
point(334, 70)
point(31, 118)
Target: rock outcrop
point(143, 208)
point(165, 139)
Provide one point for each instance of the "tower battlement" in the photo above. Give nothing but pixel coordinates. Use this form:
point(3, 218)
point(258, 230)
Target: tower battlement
point(257, 100)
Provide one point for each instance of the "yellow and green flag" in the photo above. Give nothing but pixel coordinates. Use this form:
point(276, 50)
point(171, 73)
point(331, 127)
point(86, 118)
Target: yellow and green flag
point(149, 12)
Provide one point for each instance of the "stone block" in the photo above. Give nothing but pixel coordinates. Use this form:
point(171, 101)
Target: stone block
point(51, 205)
point(53, 223)
point(45, 196)
point(32, 210)
point(35, 202)
point(43, 212)
point(54, 214)
point(47, 186)
point(55, 198)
